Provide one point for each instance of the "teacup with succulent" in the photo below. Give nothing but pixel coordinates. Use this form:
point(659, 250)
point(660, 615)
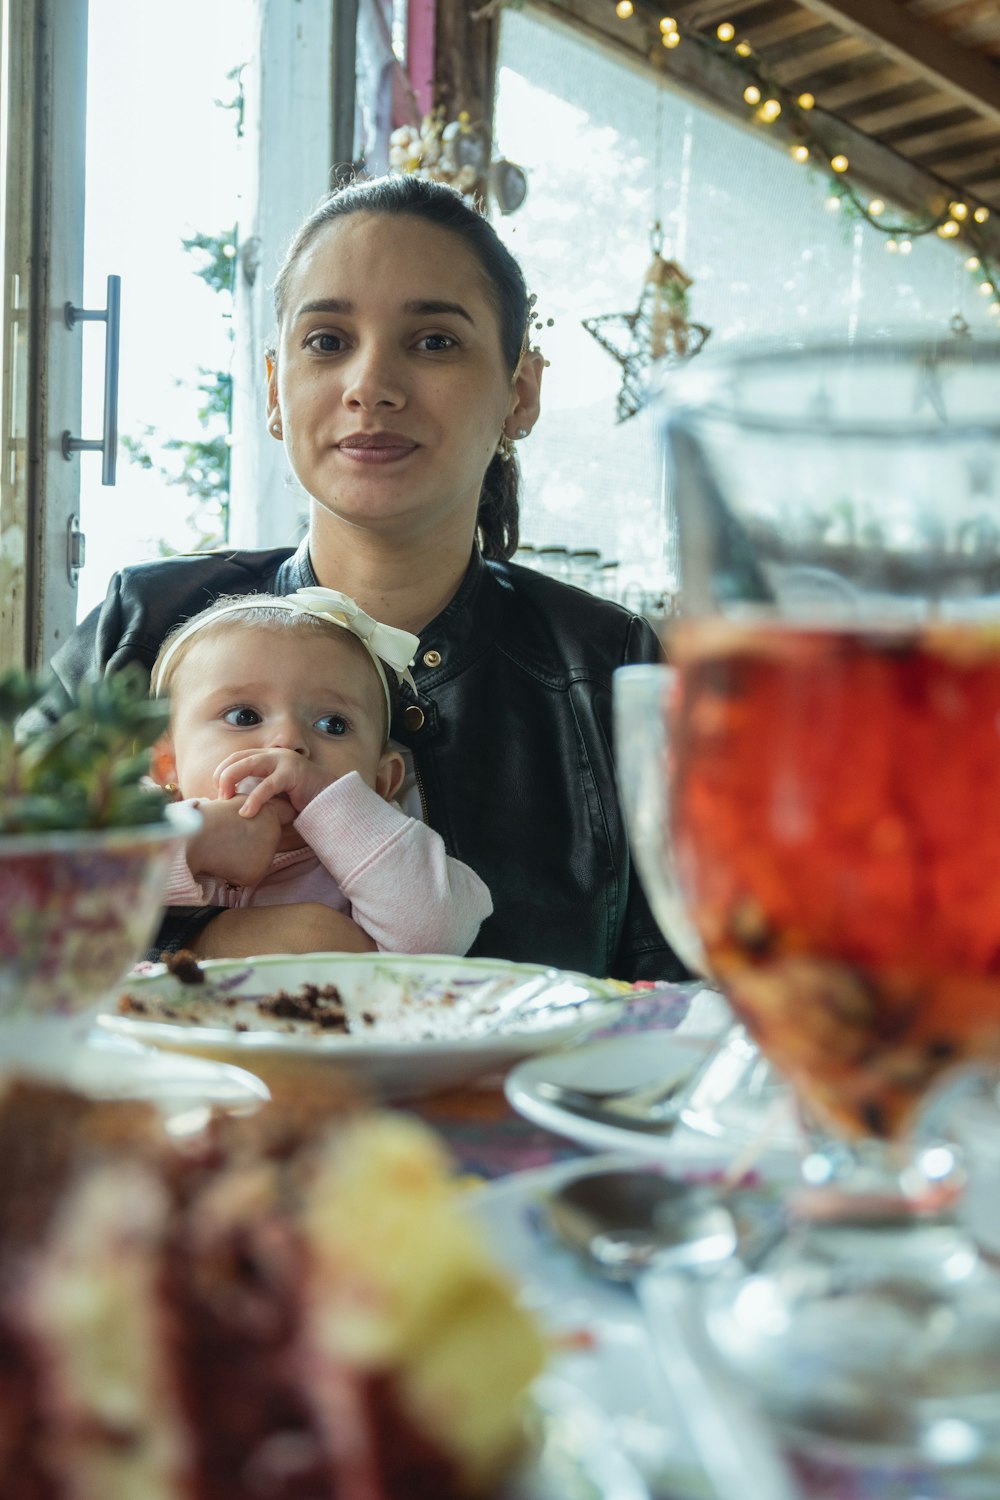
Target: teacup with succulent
point(85, 842)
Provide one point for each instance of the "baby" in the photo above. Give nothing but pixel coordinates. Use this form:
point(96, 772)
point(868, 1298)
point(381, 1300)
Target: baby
point(280, 708)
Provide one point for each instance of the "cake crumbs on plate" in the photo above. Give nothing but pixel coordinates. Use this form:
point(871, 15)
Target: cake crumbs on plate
point(319, 1005)
point(313, 1006)
point(183, 966)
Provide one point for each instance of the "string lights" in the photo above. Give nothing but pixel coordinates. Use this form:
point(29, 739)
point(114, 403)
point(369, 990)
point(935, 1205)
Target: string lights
point(769, 103)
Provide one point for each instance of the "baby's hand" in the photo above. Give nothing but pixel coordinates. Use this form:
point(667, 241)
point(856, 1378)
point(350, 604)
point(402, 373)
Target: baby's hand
point(275, 773)
point(237, 850)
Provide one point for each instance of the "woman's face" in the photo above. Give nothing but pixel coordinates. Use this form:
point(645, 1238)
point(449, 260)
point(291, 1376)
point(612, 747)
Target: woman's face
point(389, 385)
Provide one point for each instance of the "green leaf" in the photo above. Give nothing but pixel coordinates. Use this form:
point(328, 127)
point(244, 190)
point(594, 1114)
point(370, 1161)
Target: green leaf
point(87, 768)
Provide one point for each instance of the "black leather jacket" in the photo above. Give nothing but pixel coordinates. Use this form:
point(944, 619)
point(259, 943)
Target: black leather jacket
point(510, 732)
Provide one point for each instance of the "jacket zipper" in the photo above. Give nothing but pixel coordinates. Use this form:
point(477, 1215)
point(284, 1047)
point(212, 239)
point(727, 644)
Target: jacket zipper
point(418, 779)
point(420, 790)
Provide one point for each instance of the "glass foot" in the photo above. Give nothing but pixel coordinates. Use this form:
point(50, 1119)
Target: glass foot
point(871, 1339)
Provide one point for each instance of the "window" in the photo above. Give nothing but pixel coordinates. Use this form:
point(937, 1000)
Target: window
point(608, 151)
point(162, 166)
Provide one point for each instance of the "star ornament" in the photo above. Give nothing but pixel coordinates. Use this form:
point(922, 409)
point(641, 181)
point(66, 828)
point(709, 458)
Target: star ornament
point(659, 329)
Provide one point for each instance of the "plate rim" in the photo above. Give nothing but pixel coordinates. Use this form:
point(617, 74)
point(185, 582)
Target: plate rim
point(197, 1069)
point(197, 1038)
point(591, 1135)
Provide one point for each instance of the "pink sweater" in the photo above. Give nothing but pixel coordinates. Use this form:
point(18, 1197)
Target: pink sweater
point(366, 857)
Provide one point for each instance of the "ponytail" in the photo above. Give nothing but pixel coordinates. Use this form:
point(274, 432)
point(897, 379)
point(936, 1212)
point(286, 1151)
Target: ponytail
point(498, 519)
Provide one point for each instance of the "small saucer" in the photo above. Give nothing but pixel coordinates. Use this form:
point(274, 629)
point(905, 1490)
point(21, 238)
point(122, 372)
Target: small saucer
point(104, 1066)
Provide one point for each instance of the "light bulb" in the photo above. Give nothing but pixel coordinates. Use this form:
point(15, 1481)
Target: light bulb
point(948, 229)
point(839, 163)
point(668, 24)
point(769, 111)
point(905, 246)
point(985, 289)
point(892, 246)
point(832, 204)
point(623, 9)
point(671, 39)
point(958, 210)
point(800, 153)
point(876, 207)
point(743, 49)
point(981, 215)
point(725, 31)
point(752, 94)
point(807, 101)
point(972, 264)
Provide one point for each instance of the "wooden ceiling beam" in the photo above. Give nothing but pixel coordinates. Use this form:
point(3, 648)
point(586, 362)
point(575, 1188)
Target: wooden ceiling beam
point(806, 67)
point(928, 50)
point(958, 17)
point(962, 166)
point(781, 29)
point(909, 112)
point(970, 132)
point(707, 12)
point(869, 83)
point(950, 9)
point(989, 190)
point(983, 36)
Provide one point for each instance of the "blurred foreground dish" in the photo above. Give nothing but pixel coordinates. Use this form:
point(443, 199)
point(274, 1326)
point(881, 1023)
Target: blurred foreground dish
point(277, 1308)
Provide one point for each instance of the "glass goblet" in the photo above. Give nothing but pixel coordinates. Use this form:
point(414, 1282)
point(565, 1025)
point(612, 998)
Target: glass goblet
point(834, 785)
point(734, 1097)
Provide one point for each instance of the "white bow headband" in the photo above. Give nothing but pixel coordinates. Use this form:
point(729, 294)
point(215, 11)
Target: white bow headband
point(384, 643)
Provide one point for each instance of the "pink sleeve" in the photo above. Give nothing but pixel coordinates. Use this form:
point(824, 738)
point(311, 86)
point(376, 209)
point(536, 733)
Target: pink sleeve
point(405, 890)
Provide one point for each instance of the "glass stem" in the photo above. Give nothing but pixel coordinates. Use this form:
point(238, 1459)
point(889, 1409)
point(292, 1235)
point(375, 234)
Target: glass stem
point(880, 1180)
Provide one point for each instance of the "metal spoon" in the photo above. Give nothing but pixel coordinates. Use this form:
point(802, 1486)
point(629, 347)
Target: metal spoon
point(659, 1234)
point(644, 1101)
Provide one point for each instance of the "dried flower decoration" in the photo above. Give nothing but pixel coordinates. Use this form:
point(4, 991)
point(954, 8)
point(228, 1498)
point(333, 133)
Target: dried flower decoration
point(534, 323)
point(456, 152)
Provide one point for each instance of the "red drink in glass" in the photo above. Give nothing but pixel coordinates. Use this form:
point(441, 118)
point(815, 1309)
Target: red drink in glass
point(836, 826)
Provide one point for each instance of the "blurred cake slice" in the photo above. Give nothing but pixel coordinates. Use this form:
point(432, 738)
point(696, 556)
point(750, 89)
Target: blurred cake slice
point(279, 1309)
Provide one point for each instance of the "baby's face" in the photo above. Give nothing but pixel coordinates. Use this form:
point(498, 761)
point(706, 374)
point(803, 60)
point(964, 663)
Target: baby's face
point(256, 689)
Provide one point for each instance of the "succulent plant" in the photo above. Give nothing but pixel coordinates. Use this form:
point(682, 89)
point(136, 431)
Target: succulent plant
point(89, 767)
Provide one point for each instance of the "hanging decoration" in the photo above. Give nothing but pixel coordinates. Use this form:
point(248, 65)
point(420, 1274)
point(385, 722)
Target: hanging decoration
point(457, 152)
point(658, 329)
point(812, 137)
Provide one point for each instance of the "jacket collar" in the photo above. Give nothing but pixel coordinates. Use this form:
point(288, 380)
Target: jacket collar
point(296, 572)
point(458, 632)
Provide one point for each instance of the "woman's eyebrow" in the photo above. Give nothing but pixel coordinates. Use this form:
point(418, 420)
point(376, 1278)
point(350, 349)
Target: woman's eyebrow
point(420, 307)
point(326, 305)
point(433, 306)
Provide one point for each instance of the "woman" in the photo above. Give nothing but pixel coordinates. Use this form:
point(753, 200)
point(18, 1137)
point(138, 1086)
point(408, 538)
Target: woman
point(400, 381)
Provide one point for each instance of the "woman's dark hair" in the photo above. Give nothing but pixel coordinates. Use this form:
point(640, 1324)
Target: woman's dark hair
point(497, 519)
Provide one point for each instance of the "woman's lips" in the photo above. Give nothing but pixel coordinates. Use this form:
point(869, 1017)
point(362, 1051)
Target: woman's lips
point(376, 448)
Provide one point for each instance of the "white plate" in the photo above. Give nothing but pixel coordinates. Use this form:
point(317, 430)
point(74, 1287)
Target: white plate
point(636, 1058)
point(419, 1024)
point(603, 1348)
point(103, 1066)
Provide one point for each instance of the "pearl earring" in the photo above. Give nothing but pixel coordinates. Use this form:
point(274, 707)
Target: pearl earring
point(275, 426)
point(522, 432)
